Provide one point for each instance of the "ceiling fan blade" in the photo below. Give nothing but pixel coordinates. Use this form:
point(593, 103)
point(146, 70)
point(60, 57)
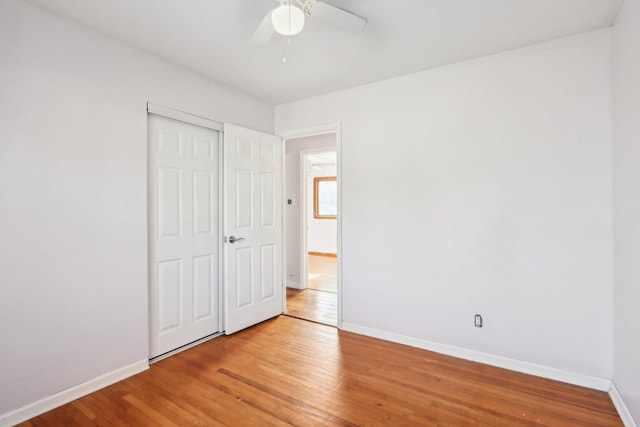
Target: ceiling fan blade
point(263, 32)
point(338, 18)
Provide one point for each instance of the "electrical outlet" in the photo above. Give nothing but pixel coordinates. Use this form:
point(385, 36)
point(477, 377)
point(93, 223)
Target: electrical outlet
point(477, 321)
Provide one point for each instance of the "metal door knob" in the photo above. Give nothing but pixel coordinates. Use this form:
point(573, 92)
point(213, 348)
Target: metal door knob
point(233, 239)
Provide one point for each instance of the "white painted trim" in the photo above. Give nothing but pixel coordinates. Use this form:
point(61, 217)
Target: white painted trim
point(223, 219)
point(184, 117)
point(283, 224)
point(597, 383)
point(65, 396)
point(338, 130)
point(221, 230)
point(310, 131)
point(623, 411)
point(302, 214)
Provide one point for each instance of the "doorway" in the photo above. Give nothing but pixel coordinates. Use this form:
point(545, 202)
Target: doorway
point(311, 222)
point(321, 220)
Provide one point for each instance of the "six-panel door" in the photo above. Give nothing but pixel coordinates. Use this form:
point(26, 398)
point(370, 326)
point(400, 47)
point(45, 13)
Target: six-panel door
point(184, 233)
point(253, 205)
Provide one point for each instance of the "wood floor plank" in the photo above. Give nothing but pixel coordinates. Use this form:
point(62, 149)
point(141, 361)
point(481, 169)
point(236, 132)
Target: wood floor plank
point(316, 305)
point(288, 371)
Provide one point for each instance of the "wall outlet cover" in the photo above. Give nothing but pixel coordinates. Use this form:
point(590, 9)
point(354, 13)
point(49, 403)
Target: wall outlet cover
point(477, 321)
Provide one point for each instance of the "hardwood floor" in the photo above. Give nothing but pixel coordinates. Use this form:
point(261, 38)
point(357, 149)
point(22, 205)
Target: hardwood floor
point(311, 304)
point(323, 273)
point(288, 371)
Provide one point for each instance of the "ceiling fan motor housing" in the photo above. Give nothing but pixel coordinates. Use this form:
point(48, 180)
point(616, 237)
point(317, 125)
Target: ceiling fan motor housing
point(287, 19)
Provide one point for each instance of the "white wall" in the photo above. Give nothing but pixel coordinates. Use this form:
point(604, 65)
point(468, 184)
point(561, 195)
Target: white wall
point(496, 199)
point(626, 154)
point(293, 191)
point(73, 249)
point(322, 234)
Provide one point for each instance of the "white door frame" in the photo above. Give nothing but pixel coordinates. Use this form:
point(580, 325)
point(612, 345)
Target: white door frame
point(217, 126)
point(314, 131)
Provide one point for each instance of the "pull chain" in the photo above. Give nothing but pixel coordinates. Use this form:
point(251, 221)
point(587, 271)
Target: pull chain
point(287, 42)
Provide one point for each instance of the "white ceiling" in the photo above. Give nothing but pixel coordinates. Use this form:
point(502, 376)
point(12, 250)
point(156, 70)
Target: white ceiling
point(212, 37)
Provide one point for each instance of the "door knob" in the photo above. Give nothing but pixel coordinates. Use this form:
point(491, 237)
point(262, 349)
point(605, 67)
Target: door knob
point(233, 239)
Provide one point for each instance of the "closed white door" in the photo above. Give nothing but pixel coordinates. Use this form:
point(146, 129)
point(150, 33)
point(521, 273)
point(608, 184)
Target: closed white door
point(253, 227)
point(184, 233)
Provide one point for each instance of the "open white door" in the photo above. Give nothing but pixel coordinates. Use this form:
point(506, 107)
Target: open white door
point(253, 227)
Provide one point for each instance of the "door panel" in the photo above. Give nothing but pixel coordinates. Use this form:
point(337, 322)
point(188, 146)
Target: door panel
point(169, 202)
point(244, 199)
point(244, 277)
point(202, 279)
point(170, 293)
point(184, 233)
point(268, 261)
point(203, 202)
point(253, 198)
point(267, 207)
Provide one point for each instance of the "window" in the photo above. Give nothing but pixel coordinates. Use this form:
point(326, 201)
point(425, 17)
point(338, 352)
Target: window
point(325, 197)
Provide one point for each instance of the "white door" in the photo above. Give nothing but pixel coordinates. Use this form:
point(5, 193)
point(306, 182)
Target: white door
point(253, 227)
point(184, 233)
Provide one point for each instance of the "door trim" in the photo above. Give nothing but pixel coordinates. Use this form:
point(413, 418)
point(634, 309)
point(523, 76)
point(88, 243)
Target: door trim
point(335, 127)
point(184, 117)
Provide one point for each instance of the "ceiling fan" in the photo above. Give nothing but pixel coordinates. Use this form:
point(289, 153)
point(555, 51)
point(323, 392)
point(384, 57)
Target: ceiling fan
point(289, 16)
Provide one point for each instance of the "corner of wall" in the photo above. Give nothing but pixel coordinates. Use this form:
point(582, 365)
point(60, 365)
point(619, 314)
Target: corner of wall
point(621, 407)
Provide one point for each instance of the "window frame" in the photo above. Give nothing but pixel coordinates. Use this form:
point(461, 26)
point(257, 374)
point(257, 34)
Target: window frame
point(316, 205)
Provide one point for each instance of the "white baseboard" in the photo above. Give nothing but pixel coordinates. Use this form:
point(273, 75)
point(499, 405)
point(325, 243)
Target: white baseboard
point(623, 411)
point(602, 384)
point(72, 393)
point(294, 285)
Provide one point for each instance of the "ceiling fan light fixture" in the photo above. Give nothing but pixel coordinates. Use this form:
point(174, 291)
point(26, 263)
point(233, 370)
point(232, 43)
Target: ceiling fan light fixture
point(287, 19)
